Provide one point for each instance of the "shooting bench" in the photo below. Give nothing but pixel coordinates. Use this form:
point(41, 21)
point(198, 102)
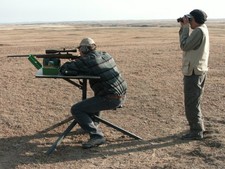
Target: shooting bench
point(83, 86)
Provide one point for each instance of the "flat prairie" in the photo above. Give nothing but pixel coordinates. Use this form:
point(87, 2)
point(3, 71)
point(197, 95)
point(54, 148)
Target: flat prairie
point(149, 57)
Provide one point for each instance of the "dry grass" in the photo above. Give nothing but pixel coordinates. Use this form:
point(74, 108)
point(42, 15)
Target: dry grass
point(150, 60)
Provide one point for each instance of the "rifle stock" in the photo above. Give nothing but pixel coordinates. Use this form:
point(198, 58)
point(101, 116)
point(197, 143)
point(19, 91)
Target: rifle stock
point(60, 56)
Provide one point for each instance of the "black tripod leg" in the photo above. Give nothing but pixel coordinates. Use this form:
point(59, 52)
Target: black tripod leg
point(117, 128)
point(57, 125)
point(61, 137)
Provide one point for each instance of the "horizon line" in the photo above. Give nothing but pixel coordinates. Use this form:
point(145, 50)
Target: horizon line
point(95, 21)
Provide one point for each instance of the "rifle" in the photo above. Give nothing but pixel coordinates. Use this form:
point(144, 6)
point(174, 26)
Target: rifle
point(51, 60)
point(52, 53)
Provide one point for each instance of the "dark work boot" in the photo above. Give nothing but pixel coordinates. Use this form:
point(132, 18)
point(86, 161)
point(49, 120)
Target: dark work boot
point(93, 142)
point(193, 136)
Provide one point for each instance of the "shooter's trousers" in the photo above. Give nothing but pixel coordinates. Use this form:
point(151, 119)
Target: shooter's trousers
point(85, 109)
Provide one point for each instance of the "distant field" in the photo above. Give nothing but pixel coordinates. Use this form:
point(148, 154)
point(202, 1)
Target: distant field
point(149, 57)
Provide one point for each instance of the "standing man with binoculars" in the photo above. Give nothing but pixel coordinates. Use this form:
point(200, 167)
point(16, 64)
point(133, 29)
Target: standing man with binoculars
point(195, 47)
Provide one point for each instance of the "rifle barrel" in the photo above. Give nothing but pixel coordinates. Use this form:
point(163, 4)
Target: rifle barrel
point(17, 56)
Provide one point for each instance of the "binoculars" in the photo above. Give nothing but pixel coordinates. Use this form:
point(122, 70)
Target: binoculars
point(181, 18)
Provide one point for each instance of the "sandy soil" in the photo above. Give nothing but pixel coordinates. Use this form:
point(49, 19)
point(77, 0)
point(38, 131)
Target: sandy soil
point(150, 60)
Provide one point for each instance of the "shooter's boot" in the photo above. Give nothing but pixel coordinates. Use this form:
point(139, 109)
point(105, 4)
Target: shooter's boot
point(94, 142)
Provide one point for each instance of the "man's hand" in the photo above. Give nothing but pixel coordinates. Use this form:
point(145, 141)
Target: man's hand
point(185, 21)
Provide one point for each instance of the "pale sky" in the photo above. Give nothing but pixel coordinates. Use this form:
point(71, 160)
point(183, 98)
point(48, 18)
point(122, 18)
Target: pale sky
point(23, 11)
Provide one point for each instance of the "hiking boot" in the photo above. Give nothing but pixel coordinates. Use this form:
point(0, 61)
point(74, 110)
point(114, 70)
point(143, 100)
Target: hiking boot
point(193, 136)
point(93, 142)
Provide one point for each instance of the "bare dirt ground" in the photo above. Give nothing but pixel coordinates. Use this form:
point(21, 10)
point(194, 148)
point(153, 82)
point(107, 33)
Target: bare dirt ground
point(150, 59)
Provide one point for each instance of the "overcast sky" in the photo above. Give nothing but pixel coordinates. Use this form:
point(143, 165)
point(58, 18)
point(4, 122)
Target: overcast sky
point(14, 11)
